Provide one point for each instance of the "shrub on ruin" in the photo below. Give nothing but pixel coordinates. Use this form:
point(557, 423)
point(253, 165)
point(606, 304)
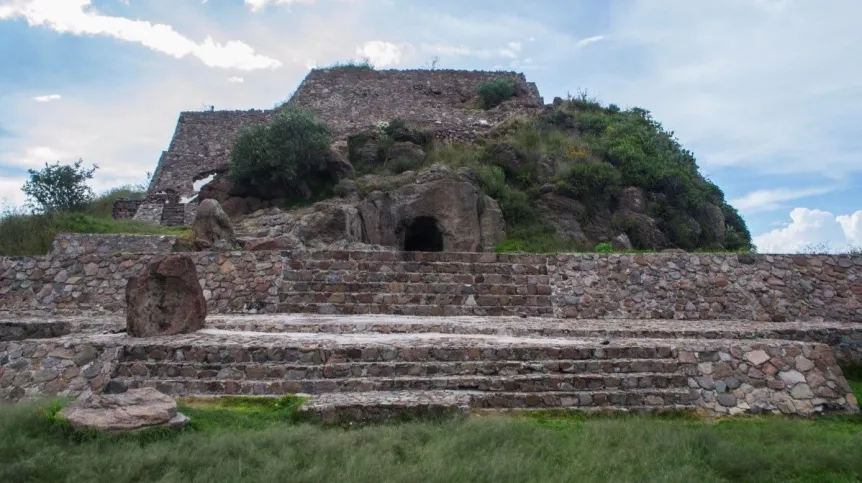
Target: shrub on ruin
point(493, 93)
point(59, 188)
point(281, 153)
point(590, 181)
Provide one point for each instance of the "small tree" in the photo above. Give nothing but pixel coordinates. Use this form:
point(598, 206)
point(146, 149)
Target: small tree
point(59, 187)
point(281, 153)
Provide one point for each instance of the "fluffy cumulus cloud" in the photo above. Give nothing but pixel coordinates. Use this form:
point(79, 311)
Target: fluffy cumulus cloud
point(78, 17)
point(384, 54)
point(810, 229)
point(47, 98)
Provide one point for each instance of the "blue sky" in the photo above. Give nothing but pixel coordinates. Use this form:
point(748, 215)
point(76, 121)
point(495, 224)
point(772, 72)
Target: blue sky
point(766, 93)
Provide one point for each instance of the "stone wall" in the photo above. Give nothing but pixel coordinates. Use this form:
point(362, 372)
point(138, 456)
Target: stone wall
point(349, 100)
point(201, 145)
point(708, 286)
point(440, 101)
point(54, 368)
point(583, 286)
point(124, 209)
point(74, 244)
point(232, 281)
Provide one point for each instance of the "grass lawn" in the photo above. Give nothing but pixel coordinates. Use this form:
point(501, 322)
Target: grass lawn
point(235, 440)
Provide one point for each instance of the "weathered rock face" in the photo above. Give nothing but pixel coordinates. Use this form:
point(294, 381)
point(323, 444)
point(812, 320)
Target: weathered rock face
point(505, 156)
point(453, 205)
point(564, 215)
point(632, 199)
point(466, 219)
point(212, 227)
point(714, 224)
point(642, 231)
point(132, 410)
point(165, 298)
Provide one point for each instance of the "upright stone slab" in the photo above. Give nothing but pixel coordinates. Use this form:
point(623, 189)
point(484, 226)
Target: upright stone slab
point(165, 298)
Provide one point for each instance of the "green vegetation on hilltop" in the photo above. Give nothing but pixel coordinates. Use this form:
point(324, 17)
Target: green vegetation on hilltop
point(247, 439)
point(589, 153)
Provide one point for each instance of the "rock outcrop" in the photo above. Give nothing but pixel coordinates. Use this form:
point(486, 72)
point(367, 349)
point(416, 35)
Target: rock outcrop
point(212, 227)
point(466, 219)
point(132, 410)
point(165, 298)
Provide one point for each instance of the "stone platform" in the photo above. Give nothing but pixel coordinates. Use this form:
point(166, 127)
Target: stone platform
point(371, 367)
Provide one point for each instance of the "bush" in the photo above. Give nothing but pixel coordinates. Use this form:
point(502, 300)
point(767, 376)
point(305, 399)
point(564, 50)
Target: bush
point(492, 94)
point(59, 188)
point(282, 153)
point(591, 181)
point(514, 203)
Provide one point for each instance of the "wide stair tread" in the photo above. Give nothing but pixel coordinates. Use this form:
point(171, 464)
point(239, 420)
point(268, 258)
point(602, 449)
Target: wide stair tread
point(272, 370)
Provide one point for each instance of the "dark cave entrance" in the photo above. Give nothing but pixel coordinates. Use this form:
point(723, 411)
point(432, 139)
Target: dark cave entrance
point(423, 235)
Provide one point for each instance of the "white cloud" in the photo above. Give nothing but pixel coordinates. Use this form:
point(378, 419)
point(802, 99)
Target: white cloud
point(47, 98)
point(771, 199)
point(258, 5)
point(235, 80)
point(10, 192)
point(384, 54)
point(812, 228)
point(590, 40)
point(77, 17)
point(37, 156)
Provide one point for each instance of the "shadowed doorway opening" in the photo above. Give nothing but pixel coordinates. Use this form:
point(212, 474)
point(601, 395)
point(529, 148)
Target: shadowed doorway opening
point(423, 235)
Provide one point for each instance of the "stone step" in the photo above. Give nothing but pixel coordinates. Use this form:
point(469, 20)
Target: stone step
point(382, 405)
point(415, 309)
point(222, 383)
point(414, 267)
point(435, 299)
point(359, 288)
point(215, 346)
point(393, 369)
point(492, 395)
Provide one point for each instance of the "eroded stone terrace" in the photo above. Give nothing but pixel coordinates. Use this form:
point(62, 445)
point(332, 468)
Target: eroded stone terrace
point(368, 367)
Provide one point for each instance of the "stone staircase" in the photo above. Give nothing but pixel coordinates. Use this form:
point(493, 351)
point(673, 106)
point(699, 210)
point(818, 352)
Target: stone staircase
point(373, 367)
point(412, 283)
point(491, 372)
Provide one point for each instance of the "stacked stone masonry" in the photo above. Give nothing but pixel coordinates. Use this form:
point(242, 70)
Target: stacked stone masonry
point(89, 273)
point(349, 101)
point(483, 372)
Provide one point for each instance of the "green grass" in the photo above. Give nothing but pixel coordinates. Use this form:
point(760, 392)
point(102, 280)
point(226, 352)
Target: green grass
point(24, 234)
point(33, 234)
point(260, 440)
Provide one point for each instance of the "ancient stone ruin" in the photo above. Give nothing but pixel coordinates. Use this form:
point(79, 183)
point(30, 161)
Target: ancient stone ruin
point(388, 301)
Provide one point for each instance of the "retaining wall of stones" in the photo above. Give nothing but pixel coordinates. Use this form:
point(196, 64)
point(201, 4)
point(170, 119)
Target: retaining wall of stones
point(649, 286)
point(54, 367)
point(70, 245)
point(708, 286)
point(232, 281)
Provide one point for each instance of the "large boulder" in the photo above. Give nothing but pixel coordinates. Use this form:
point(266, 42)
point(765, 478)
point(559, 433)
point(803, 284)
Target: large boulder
point(212, 228)
point(132, 410)
point(642, 230)
point(507, 157)
point(165, 298)
point(338, 165)
point(632, 199)
point(491, 223)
